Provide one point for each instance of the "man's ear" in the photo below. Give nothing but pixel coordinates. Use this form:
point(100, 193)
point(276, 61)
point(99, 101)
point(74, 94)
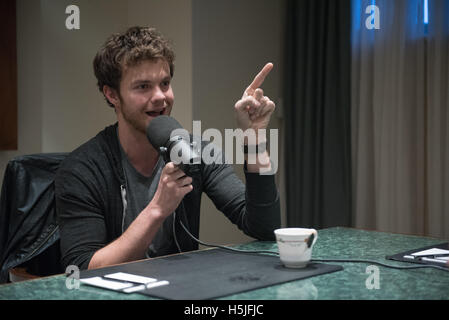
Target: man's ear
point(112, 95)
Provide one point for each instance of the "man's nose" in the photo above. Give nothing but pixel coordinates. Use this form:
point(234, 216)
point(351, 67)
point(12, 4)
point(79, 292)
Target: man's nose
point(158, 95)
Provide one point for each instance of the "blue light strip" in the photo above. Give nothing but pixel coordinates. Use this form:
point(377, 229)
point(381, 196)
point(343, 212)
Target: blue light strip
point(426, 11)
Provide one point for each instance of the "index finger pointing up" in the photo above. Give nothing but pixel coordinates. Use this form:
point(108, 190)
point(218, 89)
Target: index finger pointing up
point(259, 79)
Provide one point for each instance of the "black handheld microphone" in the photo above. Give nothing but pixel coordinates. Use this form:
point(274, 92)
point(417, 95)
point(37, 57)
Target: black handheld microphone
point(174, 144)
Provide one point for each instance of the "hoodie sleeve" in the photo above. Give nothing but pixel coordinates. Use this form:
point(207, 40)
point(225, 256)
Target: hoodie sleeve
point(254, 207)
point(80, 217)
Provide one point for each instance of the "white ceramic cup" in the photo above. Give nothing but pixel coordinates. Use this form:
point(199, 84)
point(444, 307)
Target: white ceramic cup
point(295, 246)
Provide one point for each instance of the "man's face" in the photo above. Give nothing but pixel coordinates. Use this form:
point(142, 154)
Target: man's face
point(145, 93)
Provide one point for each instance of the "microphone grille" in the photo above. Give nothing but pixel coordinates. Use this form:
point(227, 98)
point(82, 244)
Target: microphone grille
point(160, 129)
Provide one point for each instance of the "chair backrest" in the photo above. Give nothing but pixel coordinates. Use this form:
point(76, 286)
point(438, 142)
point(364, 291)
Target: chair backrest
point(29, 233)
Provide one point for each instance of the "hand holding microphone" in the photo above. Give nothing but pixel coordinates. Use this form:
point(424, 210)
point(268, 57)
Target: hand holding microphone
point(173, 186)
point(175, 181)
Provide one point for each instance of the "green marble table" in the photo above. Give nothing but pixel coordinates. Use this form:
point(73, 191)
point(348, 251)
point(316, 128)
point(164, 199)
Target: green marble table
point(350, 283)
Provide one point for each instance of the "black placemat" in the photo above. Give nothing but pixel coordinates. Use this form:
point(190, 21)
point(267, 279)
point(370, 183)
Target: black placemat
point(214, 273)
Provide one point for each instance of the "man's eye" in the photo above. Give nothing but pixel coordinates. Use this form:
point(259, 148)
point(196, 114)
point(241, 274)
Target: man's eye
point(142, 86)
point(166, 83)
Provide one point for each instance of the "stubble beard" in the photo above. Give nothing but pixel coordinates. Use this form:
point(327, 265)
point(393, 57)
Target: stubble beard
point(135, 120)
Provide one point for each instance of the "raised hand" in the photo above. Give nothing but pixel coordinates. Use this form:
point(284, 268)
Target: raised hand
point(254, 109)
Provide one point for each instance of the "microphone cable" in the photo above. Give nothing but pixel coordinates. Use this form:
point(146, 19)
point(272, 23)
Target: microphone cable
point(225, 247)
point(312, 260)
point(174, 232)
point(315, 260)
point(381, 264)
point(209, 244)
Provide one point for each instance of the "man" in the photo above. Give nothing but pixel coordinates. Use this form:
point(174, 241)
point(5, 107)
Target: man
point(117, 201)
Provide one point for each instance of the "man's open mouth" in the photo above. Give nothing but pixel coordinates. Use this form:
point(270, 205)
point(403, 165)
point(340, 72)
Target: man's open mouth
point(155, 113)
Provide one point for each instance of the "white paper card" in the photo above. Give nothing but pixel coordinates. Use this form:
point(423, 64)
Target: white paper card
point(430, 252)
point(147, 286)
point(122, 276)
point(134, 289)
point(442, 258)
point(100, 282)
point(157, 284)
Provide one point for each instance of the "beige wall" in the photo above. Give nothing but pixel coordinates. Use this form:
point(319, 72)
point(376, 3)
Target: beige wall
point(73, 110)
point(59, 105)
point(232, 41)
point(173, 18)
point(73, 102)
point(218, 51)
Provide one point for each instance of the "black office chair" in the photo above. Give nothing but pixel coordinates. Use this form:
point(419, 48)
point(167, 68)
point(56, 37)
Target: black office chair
point(29, 233)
